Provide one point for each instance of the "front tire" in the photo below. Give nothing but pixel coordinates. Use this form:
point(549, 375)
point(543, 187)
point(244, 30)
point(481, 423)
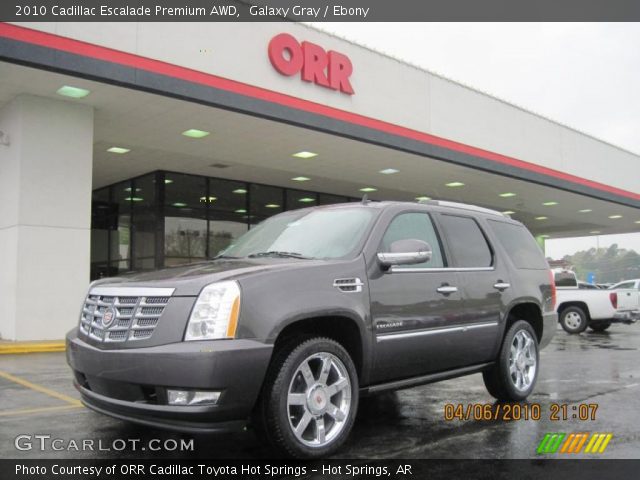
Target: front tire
point(599, 325)
point(574, 320)
point(514, 375)
point(310, 398)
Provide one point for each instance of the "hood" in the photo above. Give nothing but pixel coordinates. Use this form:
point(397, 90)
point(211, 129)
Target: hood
point(188, 280)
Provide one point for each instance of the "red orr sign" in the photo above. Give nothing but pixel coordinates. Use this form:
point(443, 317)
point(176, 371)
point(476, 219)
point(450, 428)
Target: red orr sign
point(314, 64)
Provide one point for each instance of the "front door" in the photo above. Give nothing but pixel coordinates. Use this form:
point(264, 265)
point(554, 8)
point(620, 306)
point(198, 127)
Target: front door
point(415, 308)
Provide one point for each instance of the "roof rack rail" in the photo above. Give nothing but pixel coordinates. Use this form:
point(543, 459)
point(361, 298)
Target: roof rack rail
point(464, 206)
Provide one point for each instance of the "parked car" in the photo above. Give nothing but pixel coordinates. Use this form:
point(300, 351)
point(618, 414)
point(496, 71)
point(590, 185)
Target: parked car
point(579, 307)
point(312, 309)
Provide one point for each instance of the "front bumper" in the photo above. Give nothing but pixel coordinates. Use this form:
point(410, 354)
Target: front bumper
point(131, 384)
point(549, 327)
point(627, 317)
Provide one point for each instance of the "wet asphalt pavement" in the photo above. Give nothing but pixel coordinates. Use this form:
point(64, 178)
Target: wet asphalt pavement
point(591, 368)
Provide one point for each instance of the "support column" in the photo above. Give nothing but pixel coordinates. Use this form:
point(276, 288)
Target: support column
point(45, 216)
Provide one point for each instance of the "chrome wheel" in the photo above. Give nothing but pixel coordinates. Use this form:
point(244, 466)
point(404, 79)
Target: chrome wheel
point(522, 360)
point(319, 399)
point(573, 320)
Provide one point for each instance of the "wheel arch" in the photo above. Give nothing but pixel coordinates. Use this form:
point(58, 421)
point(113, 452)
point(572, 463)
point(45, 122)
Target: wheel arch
point(528, 311)
point(580, 304)
point(342, 328)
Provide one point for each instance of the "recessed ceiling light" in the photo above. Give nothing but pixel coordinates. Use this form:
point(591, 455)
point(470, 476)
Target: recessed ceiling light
point(541, 218)
point(585, 210)
point(615, 216)
point(168, 181)
point(508, 212)
point(128, 189)
point(179, 204)
point(300, 179)
point(595, 231)
point(368, 189)
point(240, 190)
point(389, 171)
point(304, 154)
point(134, 199)
point(195, 133)
point(637, 221)
point(549, 204)
point(507, 194)
point(272, 205)
point(423, 198)
point(211, 199)
point(454, 184)
point(544, 236)
point(73, 92)
point(241, 210)
point(120, 150)
point(306, 200)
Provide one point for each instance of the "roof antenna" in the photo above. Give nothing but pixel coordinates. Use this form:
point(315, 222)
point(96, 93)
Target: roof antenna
point(365, 199)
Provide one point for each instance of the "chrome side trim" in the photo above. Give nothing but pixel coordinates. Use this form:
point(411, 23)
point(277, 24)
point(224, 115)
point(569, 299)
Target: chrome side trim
point(433, 331)
point(132, 291)
point(440, 270)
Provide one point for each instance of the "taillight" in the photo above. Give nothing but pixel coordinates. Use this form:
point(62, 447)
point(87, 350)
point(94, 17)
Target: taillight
point(613, 297)
point(553, 289)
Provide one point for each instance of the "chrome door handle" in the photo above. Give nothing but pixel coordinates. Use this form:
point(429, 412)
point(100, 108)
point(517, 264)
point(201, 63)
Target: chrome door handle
point(501, 286)
point(446, 289)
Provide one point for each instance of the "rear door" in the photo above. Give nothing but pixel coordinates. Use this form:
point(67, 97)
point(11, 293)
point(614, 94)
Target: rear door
point(483, 281)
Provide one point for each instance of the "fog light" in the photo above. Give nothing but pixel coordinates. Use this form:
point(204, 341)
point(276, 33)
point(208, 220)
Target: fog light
point(192, 397)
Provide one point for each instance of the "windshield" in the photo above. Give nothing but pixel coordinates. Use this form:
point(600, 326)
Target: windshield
point(324, 233)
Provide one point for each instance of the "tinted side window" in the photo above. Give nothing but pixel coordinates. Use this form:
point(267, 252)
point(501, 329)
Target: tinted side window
point(414, 226)
point(467, 243)
point(520, 245)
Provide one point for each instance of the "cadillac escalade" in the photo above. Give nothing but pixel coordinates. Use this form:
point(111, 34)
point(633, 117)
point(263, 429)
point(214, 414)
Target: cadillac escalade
point(312, 309)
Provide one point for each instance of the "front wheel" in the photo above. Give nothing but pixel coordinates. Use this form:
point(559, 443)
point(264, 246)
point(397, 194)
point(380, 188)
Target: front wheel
point(573, 320)
point(309, 402)
point(514, 375)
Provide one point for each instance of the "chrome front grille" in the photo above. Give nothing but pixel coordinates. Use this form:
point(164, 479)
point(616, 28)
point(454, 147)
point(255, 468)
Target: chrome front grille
point(113, 314)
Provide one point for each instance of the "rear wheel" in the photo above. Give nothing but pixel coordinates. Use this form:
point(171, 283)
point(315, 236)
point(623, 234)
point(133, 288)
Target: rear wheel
point(514, 375)
point(310, 398)
point(574, 320)
point(600, 325)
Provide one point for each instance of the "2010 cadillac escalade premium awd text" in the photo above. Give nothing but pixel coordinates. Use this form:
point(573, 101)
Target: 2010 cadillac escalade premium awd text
point(312, 309)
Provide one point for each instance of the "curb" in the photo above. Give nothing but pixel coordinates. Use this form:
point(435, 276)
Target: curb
point(7, 348)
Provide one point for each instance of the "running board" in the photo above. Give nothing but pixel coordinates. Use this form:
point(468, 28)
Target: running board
point(424, 379)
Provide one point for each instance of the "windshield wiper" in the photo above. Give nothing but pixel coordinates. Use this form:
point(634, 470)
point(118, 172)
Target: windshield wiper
point(226, 256)
point(273, 253)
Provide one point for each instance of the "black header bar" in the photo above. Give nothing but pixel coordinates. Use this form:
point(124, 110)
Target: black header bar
point(318, 10)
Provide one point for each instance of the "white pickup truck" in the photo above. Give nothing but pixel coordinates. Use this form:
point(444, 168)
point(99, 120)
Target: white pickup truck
point(579, 308)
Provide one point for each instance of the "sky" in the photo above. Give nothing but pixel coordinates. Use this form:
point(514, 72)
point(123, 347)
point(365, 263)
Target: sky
point(584, 75)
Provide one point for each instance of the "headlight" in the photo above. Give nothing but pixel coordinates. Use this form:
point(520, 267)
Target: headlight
point(215, 314)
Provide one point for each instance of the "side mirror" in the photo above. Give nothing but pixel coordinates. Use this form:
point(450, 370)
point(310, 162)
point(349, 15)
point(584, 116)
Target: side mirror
point(405, 252)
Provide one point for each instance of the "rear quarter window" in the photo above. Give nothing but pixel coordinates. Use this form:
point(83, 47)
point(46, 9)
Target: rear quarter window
point(520, 245)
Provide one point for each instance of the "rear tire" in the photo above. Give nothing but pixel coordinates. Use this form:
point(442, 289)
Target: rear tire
point(574, 320)
point(514, 375)
point(599, 325)
point(310, 398)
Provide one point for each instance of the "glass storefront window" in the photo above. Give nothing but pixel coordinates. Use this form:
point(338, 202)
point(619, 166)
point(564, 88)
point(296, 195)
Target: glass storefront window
point(265, 202)
point(185, 235)
point(143, 222)
point(300, 199)
point(164, 219)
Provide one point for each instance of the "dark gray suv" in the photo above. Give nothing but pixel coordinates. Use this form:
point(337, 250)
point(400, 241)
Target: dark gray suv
point(311, 310)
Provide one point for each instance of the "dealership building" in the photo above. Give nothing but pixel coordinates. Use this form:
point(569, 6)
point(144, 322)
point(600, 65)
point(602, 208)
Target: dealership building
point(137, 146)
